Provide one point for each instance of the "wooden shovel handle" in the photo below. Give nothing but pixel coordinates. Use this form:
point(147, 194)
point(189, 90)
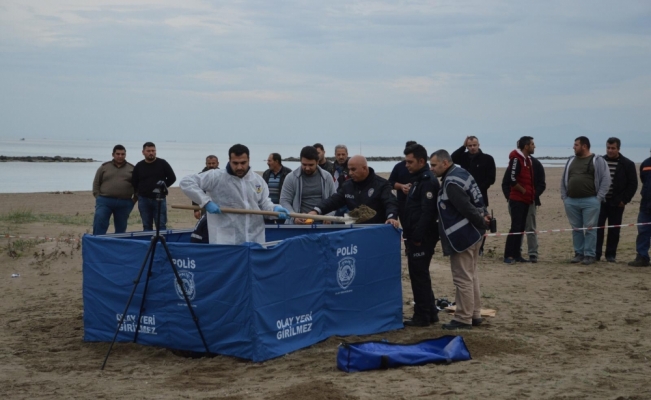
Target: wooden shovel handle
point(268, 213)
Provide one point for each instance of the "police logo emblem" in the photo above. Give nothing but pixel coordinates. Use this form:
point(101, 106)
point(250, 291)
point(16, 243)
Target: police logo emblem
point(370, 192)
point(346, 272)
point(429, 195)
point(258, 189)
point(188, 284)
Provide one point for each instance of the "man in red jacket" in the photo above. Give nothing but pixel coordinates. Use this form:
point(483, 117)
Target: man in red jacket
point(522, 195)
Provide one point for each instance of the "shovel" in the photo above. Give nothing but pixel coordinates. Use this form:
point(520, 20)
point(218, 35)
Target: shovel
point(347, 219)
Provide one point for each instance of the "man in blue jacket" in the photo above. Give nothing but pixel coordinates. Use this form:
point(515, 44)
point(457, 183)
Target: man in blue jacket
point(463, 220)
point(643, 241)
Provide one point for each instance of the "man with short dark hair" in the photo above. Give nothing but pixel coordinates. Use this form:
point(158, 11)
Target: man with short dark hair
point(400, 181)
point(623, 185)
point(585, 182)
point(363, 188)
point(463, 219)
point(212, 162)
point(420, 232)
point(323, 162)
point(341, 165)
point(306, 186)
point(239, 187)
point(146, 175)
point(521, 196)
point(643, 240)
point(275, 178)
point(113, 193)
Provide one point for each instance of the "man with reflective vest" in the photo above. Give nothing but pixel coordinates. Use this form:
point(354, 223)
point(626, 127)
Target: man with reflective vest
point(463, 220)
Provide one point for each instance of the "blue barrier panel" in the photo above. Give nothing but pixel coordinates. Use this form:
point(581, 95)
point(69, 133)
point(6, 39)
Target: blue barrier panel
point(252, 302)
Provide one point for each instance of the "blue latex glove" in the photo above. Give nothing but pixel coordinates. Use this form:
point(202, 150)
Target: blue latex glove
point(212, 208)
point(284, 213)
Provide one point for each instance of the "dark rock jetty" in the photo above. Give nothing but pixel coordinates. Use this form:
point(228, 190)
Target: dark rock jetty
point(45, 159)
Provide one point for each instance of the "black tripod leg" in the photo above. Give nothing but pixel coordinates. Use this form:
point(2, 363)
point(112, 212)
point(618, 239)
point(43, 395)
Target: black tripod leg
point(150, 253)
point(185, 295)
point(144, 292)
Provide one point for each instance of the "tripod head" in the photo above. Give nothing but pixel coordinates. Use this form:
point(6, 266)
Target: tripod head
point(161, 189)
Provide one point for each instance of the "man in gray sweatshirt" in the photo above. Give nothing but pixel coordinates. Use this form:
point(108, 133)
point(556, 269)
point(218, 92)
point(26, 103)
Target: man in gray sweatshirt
point(584, 185)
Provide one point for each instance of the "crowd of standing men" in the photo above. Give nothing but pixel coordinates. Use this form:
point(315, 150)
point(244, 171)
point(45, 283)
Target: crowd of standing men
point(595, 190)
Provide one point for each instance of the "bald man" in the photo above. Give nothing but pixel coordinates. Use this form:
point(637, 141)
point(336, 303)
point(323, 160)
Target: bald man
point(363, 188)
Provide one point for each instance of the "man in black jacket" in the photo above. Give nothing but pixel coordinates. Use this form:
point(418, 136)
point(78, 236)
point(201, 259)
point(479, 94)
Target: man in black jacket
point(363, 188)
point(539, 186)
point(420, 231)
point(623, 185)
point(400, 181)
point(479, 164)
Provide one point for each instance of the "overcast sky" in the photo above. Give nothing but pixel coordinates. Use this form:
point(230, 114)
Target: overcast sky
point(332, 71)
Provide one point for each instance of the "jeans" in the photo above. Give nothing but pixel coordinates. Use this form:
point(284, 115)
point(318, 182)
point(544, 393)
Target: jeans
point(612, 214)
point(518, 212)
point(643, 240)
point(583, 213)
point(104, 207)
point(149, 212)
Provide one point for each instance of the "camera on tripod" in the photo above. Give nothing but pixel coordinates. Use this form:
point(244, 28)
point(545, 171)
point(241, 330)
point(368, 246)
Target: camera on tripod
point(161, 188)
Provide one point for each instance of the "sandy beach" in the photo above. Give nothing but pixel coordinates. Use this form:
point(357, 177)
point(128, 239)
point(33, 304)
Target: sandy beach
point(562, 331)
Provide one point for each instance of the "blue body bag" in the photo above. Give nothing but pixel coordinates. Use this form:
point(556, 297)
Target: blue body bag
point(364, 356)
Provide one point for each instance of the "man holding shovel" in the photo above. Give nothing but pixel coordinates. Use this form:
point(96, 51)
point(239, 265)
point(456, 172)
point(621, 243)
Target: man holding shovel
point(235, 186)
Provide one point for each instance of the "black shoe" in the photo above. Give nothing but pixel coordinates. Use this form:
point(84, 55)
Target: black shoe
point(509, 260)
point(610, 259)
point(454, 324)
point(521, 260)
point(533, 259)
point(577, 258)
point(639, 262)
point(434, 317)
point(417, 321)
point(477, 321)
point(587, 260)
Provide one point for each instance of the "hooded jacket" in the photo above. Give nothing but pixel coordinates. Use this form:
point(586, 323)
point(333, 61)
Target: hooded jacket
point(601, 177)
point(539, 183)
point(521, 172)
point(291, 194)
point(227, 190)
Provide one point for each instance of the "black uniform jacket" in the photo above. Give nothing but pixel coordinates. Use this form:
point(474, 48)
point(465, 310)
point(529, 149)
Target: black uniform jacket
point(421, 212)
point(624, 181)
point(482, 168)
point(374, 192)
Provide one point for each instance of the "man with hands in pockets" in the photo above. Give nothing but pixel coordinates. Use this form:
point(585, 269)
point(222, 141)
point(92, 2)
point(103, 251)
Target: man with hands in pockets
point(236, 186)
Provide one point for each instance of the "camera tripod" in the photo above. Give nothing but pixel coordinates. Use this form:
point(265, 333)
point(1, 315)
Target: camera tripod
point(161, 190)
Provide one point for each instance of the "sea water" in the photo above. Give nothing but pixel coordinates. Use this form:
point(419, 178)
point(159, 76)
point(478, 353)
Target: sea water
point(188, 158)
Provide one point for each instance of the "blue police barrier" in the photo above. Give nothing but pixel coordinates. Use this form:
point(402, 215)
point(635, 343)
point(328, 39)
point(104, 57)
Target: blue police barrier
point(252, 302)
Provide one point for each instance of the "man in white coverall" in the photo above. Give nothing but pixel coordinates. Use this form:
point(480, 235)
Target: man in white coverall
point(236, 186)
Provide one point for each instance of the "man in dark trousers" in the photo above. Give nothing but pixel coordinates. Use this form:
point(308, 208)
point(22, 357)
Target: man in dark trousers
point(623, 185)
point(275, 177)
point(400, 181)
point(421, 234)
point(146, 174)
point(521, 196)
point(540, 185)
point(363, 188)
point(480, 165)
point(462, 223)
point(643, 240)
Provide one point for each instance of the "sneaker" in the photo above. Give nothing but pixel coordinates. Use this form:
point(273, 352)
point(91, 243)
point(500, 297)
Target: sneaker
point(454, 324)
point(577, 258)
point(521, 260)
point(639, 262)
point(417, 321)
point(477, 321)
point(533, 259)
point(509, 260)
point(587, 260)
point(611, 259)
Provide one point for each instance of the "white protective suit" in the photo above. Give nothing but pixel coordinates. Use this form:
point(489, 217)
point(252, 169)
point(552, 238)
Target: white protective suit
point(249, 192)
